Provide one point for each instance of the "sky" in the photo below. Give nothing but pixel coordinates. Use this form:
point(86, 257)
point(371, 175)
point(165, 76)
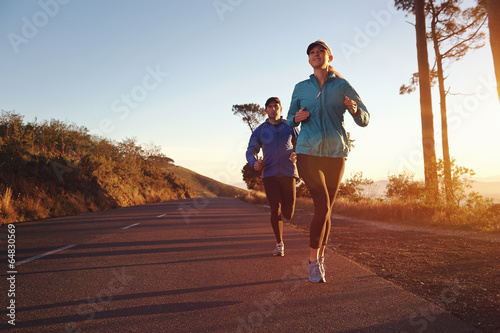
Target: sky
point(167, 73)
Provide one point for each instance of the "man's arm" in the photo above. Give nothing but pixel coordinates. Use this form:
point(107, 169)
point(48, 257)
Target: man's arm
point(253, 147)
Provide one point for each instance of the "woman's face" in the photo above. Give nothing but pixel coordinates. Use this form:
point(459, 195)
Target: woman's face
point(319, 57)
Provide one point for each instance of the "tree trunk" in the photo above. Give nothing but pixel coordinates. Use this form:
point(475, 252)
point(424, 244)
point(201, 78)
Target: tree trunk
point(493, 7)
point(425, 100)
point(444, 118)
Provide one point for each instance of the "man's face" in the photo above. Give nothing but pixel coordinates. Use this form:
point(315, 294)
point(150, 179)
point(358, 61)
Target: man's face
point(273, 110)
point(319, 57)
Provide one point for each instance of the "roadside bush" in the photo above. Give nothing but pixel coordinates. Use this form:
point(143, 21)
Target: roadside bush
point(354, 188)
point(454, 205)
point(404, 187)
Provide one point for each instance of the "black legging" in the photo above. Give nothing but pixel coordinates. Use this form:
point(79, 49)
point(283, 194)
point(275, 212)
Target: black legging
point(280, 192)
point(322, 176)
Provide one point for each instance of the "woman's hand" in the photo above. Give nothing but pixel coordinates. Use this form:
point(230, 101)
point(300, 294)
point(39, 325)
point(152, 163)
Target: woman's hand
point(352, 105)
point(301, 115)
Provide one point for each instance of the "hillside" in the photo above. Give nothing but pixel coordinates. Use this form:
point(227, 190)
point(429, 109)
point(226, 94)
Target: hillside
point(203, 186)
point(52, 169)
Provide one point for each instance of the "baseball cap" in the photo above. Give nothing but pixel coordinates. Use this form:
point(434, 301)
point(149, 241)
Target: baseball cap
point(320, 43)
point(273, 99)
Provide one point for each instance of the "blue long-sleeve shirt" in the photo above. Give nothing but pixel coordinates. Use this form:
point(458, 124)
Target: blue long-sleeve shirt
point(323, 133)
point(276, 142)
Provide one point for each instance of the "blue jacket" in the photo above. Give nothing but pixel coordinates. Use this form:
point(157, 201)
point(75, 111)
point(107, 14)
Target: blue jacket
point(276, 142)
point(323, 133)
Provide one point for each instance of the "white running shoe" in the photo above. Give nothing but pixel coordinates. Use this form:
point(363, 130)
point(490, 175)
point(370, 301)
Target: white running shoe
point(315, 272)
point(279, 250)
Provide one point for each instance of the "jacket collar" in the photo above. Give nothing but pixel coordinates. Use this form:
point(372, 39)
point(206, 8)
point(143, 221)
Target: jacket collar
point(331, 75)
point(281, 121)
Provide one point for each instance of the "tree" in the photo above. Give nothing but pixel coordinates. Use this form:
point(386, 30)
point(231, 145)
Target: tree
point(493, 7)
point(453, 32)
point(460, 185)
point(252, 178)
point(16, 139)
point(417, 7)
point(252, 114)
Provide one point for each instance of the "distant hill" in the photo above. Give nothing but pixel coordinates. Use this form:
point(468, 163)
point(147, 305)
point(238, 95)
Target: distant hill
point(488, 179)
point(488, 189)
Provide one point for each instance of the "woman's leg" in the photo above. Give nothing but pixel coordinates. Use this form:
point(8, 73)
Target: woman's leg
point(322, 177)
point(314, 180)
point(333, 169)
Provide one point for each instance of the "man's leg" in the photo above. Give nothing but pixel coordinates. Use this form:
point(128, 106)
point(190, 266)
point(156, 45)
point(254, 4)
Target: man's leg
point(272, 187)
point(288, 196)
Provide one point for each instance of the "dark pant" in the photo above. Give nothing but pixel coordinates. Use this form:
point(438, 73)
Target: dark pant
point(322, 176)
point(280, 192)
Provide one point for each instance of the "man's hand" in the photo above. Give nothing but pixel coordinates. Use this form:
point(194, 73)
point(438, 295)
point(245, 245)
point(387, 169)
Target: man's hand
point(293, 157)
point(259, 165)
point(301, 115)
point(352, 105)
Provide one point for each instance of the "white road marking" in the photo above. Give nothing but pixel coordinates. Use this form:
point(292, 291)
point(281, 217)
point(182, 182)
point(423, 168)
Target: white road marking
point(130, 226)
point(45, 254)
point(161, 215)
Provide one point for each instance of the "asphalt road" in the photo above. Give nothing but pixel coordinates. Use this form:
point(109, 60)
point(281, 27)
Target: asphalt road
point(202, 265)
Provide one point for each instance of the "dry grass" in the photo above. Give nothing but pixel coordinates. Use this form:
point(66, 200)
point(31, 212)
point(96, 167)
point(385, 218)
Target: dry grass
point(482, 216)
point(7, 211)
point(6, 199)
point(259, 198)
point(254, 197)
point(33, 209)
point(304, 203)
